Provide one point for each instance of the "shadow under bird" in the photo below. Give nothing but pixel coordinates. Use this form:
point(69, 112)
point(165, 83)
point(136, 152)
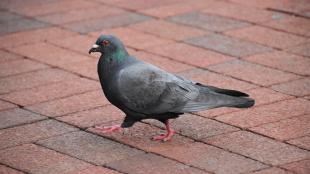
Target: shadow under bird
point(144, 91)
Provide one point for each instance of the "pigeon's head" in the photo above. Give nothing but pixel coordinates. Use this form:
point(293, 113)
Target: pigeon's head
point(108, 45)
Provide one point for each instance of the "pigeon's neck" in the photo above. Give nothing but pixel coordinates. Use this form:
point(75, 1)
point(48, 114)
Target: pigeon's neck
point(109, 63)
point(114, 58)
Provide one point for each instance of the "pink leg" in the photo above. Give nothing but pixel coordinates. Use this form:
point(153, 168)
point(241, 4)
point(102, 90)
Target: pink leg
point(167, 136)
point(109, 129)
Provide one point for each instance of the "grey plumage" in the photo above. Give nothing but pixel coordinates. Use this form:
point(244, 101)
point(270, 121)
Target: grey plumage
point(142, 90)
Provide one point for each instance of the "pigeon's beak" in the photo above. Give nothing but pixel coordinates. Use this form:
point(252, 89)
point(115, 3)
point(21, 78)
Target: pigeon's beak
point(94, 48)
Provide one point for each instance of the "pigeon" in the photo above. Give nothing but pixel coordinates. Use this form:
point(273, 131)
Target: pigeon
point(144, 91)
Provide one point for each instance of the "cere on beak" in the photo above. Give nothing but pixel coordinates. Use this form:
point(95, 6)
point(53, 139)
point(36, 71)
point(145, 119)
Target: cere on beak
point(94, 48)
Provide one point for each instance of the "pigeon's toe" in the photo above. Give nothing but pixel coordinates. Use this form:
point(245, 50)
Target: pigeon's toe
point(109, 129)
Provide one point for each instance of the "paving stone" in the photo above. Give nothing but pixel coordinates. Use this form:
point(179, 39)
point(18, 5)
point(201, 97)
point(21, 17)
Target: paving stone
point(258, 147)
point(141, 4)
point(80, 14)
point(213, 159)
point(21, 24)
point(293, 24)
point(33, 79)
point(6, 105)
point(267, 113)
point(253, 72)
point(7, 170)
point(13, 117)
point(85, 68)
point(289, 6)
point(161, 62)
point(50, 92)
point(228, 45)
point(7, 56)
point(300, 87)
point(266, 36)
point(70, 104)
point(174, 9)
point(284, 61)
point(19, 66)
point(49, 54)
point(168, 30)
point(33, 36)
point(208, 21)
point(219, 80)
point(90, 147)
point(189, 54)
point(307, 97)
point(286, 129)
point(8, 16)
point(32, 132)
point(89, 118)
point(303, 142)
point(236, 11)
point(53, 7)
point(302, 49)
point(150, 163)
point(33, 159)
point(272, 170)
point(135, 38)
point(216, 112)
point(7, 4)
point(79, 43)
point(266, 96)
point(95, 170)
point(106, 22)
point(140, 136)
point(300, 167)
point(198, 128)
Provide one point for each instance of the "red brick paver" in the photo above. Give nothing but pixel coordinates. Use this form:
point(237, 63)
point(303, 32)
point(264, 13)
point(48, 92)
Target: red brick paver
point(190, 54)
point(258, 147)
point(13, 117)
point(286, 129)
point(303, 142)
point(283, 61)
point(13, 67)
point(90, 147)
point(272, 170)
point(266, 36)
point(300, 167)
point(8, 170)
point(267, 113)
point(299, 87)
point(32, 132)
point(6, 105)
point(70, 104)
point(204, 156)
point(168, 30)
point(253, 72)
point(35, 159)
point(51, 97)
point(33, 36)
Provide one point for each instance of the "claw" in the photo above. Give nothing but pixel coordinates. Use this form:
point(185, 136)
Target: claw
point(167, 136)
point(108, 129)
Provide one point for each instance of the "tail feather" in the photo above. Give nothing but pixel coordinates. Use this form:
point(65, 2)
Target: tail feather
point(248, 102)
point(224, 91)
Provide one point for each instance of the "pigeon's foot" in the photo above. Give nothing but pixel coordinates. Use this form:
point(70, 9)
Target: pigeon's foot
point(109, 129)
point(167, 136)
point(164, 137)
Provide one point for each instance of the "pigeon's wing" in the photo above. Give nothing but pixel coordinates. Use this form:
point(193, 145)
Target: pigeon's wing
point(147, 89)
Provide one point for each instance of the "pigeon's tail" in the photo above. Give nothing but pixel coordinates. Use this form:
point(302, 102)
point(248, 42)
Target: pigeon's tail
point(241, 98)
point(213, 97)
point(245, 103)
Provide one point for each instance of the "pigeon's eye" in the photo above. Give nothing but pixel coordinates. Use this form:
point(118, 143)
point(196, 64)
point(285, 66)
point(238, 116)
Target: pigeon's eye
point(105, 43)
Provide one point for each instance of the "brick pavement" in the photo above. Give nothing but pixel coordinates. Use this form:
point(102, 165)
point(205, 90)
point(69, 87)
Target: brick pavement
point(50, 96)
